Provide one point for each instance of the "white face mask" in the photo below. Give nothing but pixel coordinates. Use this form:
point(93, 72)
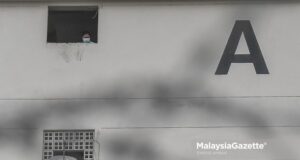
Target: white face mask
point(86, 40)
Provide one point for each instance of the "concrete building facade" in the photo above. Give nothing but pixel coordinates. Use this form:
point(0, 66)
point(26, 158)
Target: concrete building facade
point(152, 69)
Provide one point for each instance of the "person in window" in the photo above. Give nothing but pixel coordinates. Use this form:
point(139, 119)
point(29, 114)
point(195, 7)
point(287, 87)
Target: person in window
point(86, 37)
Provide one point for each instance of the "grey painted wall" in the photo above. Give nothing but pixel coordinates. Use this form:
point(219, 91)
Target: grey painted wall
point(153, 66)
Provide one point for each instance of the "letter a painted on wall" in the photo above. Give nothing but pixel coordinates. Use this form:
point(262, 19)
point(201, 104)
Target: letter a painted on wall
point(229, 56)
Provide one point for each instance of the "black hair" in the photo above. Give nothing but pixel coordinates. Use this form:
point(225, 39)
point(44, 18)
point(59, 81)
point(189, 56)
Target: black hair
point(85, 32)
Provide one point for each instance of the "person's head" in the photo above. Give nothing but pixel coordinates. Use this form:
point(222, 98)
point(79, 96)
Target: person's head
point(86, 37)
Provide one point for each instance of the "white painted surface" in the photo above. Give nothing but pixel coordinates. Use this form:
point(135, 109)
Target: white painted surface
point(143, 44)
point(181, 143)
point(147, 50)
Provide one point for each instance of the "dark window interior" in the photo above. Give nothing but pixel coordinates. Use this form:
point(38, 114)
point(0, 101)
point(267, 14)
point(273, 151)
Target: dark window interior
point(76, 154)
point(67, 24)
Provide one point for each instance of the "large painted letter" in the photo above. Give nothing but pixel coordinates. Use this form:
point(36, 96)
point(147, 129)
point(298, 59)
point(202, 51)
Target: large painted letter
point(229, 56)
